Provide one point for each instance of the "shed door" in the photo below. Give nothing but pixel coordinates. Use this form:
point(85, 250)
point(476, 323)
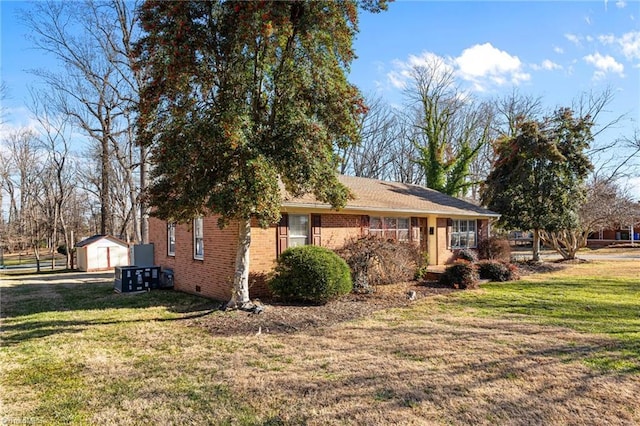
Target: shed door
point(103, 260)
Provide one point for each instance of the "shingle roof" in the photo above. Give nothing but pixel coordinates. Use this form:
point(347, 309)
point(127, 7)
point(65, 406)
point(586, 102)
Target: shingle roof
point(98, 237)
point(394, 197)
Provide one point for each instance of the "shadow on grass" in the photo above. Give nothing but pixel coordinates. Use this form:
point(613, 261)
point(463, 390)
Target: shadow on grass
point(36, 307)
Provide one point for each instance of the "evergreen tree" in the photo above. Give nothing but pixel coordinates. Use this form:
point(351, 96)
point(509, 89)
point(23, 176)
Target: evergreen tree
point(242, 95)
point(538, 181)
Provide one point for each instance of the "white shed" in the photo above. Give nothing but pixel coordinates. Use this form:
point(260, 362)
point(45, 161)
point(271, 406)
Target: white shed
point(101, 252)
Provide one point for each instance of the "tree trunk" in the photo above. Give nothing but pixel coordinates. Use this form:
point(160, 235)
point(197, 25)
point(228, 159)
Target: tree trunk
point(36, 253)
point(105, 204)
point(240, 291)
point(67, 243)
point(144, 207)
point(536, 245)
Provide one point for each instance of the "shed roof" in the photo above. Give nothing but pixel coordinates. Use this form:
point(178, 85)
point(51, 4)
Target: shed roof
point(99, 237)
point(395, 197)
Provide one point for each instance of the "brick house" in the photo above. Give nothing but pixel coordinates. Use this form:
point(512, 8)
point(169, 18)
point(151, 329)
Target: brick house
point(202, 256)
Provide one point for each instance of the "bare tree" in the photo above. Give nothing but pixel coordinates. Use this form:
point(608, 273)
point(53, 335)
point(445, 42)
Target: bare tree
point(21, 177)
point(453, 128)
point(512, 109)
point(58, 179)
point(98, 87)
point(374, 155)
point(606, 206)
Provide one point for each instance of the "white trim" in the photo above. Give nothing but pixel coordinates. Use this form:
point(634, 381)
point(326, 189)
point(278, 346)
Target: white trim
point(196, 255)
point(171, 225)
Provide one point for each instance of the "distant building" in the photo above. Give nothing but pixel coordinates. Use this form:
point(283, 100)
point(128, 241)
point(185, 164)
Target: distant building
point(101, 252)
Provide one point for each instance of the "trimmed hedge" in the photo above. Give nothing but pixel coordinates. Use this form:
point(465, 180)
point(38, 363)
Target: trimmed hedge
point(460, 275)
point(494, 270)
point(310, 274)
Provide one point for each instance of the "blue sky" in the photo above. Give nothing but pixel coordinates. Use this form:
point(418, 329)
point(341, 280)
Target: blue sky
point(549, 49)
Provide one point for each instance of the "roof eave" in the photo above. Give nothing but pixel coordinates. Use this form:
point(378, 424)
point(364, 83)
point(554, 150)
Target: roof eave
point(320, 206)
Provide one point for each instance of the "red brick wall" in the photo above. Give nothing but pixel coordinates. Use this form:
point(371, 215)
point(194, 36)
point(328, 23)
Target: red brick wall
point(211, 277)
point(483, 229)
point(262, 258)
point(335, 230)
point(338, 228)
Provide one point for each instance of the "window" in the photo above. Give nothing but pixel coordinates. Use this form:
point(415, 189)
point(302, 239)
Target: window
point(298, 230)
point(463, 234)
point(198, 239)
point(396, 228)
point(171, 239)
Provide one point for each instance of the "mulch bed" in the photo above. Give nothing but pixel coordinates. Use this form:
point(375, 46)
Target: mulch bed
point(280, 318)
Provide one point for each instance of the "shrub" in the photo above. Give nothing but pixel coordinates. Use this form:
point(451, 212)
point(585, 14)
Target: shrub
point(374, 260)
point(310, 274)
point(460, 275)
point(494, 248)
point(62, 249)
point(494, 270)
point(468, 255)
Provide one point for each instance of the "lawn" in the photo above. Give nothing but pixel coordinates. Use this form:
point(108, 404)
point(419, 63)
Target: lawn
point(559, 348)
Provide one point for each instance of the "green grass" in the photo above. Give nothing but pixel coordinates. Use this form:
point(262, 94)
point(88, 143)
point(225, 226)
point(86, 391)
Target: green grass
point(75, 352)
point(23, 259)
point(601, 304)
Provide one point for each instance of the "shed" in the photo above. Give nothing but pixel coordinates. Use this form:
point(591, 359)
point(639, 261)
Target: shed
point(101, 252)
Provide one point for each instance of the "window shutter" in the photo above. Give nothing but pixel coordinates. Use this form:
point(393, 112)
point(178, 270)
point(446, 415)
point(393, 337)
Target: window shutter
point(282, 234)
point(415, 230)
point(316, 229)
point(364, 225)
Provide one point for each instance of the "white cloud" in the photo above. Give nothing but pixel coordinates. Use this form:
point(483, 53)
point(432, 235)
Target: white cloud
point(573, 38)
point(481, 65)
point(630, 45)
point(607, 38)
point(621, 4)
point(485, 62)
point(403, 70)
point(558, 50)
point(546, 65)
point(604, 64)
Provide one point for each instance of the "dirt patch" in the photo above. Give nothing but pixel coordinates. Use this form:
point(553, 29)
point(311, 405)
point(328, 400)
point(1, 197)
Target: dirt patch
point(280, 318)
point(531, 267)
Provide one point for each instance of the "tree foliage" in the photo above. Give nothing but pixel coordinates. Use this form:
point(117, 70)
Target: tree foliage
point(537, 182)
point(242, 94)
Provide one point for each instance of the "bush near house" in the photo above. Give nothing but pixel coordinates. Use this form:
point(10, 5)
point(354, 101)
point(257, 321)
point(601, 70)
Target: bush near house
point(461, 274)
point(374, 260)
point(494, 248)
point(494, 270)
point(468, 255)
point(310, 274)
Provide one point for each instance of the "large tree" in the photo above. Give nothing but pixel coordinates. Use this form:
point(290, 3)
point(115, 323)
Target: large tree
point(97, 87)
point(452, 127)
point(537, 182)
point(241, 96)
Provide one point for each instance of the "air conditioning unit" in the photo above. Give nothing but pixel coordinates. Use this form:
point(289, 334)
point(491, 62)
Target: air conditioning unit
point(166, 278)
